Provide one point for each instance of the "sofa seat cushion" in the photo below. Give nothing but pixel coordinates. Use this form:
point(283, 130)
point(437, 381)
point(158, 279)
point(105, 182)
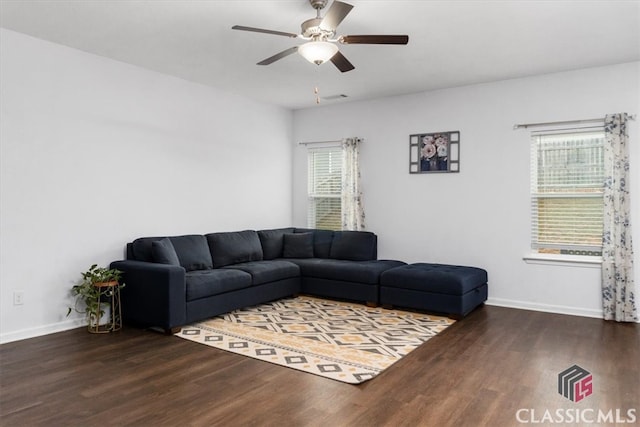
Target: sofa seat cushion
point(206, 283)
point(367, 272)
point(435, 278)
point(267, 271)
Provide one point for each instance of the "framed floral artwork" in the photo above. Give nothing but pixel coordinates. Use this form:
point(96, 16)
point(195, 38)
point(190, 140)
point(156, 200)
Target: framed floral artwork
point(435, 152)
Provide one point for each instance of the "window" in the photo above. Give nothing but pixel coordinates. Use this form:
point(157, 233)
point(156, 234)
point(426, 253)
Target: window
point(567, 176)
point(325, 187)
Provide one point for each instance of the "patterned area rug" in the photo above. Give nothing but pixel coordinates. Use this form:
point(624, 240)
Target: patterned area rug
point(347, 342)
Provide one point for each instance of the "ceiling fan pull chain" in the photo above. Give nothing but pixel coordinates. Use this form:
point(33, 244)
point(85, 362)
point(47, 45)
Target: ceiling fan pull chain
point(316, 91)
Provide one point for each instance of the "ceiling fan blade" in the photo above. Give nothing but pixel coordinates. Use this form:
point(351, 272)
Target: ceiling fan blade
point(278, 56)
point(375, 39)
point(341, 62)
point(336, 13)
point(260, 30)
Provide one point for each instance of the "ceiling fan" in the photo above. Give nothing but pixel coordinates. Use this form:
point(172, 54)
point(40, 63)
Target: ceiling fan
point(319, 32)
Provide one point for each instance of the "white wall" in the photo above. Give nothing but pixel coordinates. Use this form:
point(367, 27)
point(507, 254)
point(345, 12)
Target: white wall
point(95, 153)
point(479, 216)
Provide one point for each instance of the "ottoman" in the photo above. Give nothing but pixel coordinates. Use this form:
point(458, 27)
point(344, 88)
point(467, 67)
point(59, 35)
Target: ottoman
point(451, 289)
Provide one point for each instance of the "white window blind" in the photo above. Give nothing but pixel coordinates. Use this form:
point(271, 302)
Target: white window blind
point(567, 179)
point(325, 188)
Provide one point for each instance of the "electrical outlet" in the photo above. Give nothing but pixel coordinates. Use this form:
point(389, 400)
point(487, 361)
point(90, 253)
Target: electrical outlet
point(18, 297)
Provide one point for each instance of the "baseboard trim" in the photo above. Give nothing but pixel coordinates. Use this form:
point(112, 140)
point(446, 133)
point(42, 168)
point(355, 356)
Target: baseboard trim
point(51, 328)
point(547, 308)
point(498, 302)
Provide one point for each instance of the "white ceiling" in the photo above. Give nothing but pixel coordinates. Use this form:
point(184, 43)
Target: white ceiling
point(451, 43)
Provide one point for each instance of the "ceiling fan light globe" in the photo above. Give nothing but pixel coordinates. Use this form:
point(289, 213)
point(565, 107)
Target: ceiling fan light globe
point(318, 52)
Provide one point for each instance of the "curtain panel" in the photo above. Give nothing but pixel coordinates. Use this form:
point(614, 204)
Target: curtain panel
point(352, 206)
point(618, 287)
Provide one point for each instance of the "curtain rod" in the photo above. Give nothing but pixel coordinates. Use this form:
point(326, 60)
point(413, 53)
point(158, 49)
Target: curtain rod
point(565, 122)
point(320, 142)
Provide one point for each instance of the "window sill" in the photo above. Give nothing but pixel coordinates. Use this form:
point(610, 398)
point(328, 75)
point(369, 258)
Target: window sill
point(564, 260)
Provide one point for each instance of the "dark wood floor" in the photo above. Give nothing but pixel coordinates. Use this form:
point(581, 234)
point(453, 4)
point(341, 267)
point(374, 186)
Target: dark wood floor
point(480, 371)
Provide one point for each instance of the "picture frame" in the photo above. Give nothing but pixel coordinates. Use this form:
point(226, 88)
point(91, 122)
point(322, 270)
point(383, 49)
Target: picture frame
point(435, 152)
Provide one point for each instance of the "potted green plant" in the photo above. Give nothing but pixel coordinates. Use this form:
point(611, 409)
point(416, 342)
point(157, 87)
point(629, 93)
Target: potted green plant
point(97, 287)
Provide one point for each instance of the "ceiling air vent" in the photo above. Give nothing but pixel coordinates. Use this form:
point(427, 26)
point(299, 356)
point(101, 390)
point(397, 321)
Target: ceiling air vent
point(332, 97)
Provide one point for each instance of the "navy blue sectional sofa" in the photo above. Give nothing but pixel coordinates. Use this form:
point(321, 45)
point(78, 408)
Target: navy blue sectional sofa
point(176, 280)
point(173, 281)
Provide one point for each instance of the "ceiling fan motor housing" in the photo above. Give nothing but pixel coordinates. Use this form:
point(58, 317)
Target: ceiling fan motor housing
point(311, 29)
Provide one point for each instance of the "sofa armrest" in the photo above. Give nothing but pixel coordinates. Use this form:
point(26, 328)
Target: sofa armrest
point(154, 295)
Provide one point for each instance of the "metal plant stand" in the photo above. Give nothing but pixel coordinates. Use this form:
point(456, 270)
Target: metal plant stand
point(109, 295)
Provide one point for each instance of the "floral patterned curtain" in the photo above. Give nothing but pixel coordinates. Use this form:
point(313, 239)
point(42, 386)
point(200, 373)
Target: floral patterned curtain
point(352, 208)
point(618, 292)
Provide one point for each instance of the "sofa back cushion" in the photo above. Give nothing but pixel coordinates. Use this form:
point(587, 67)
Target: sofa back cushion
point(163, 252)
point(321, 241)
point(354, 246)
point(234, 247)
point(140, 249)
point(298, 245)
point(272, 242)
point(193, 252)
